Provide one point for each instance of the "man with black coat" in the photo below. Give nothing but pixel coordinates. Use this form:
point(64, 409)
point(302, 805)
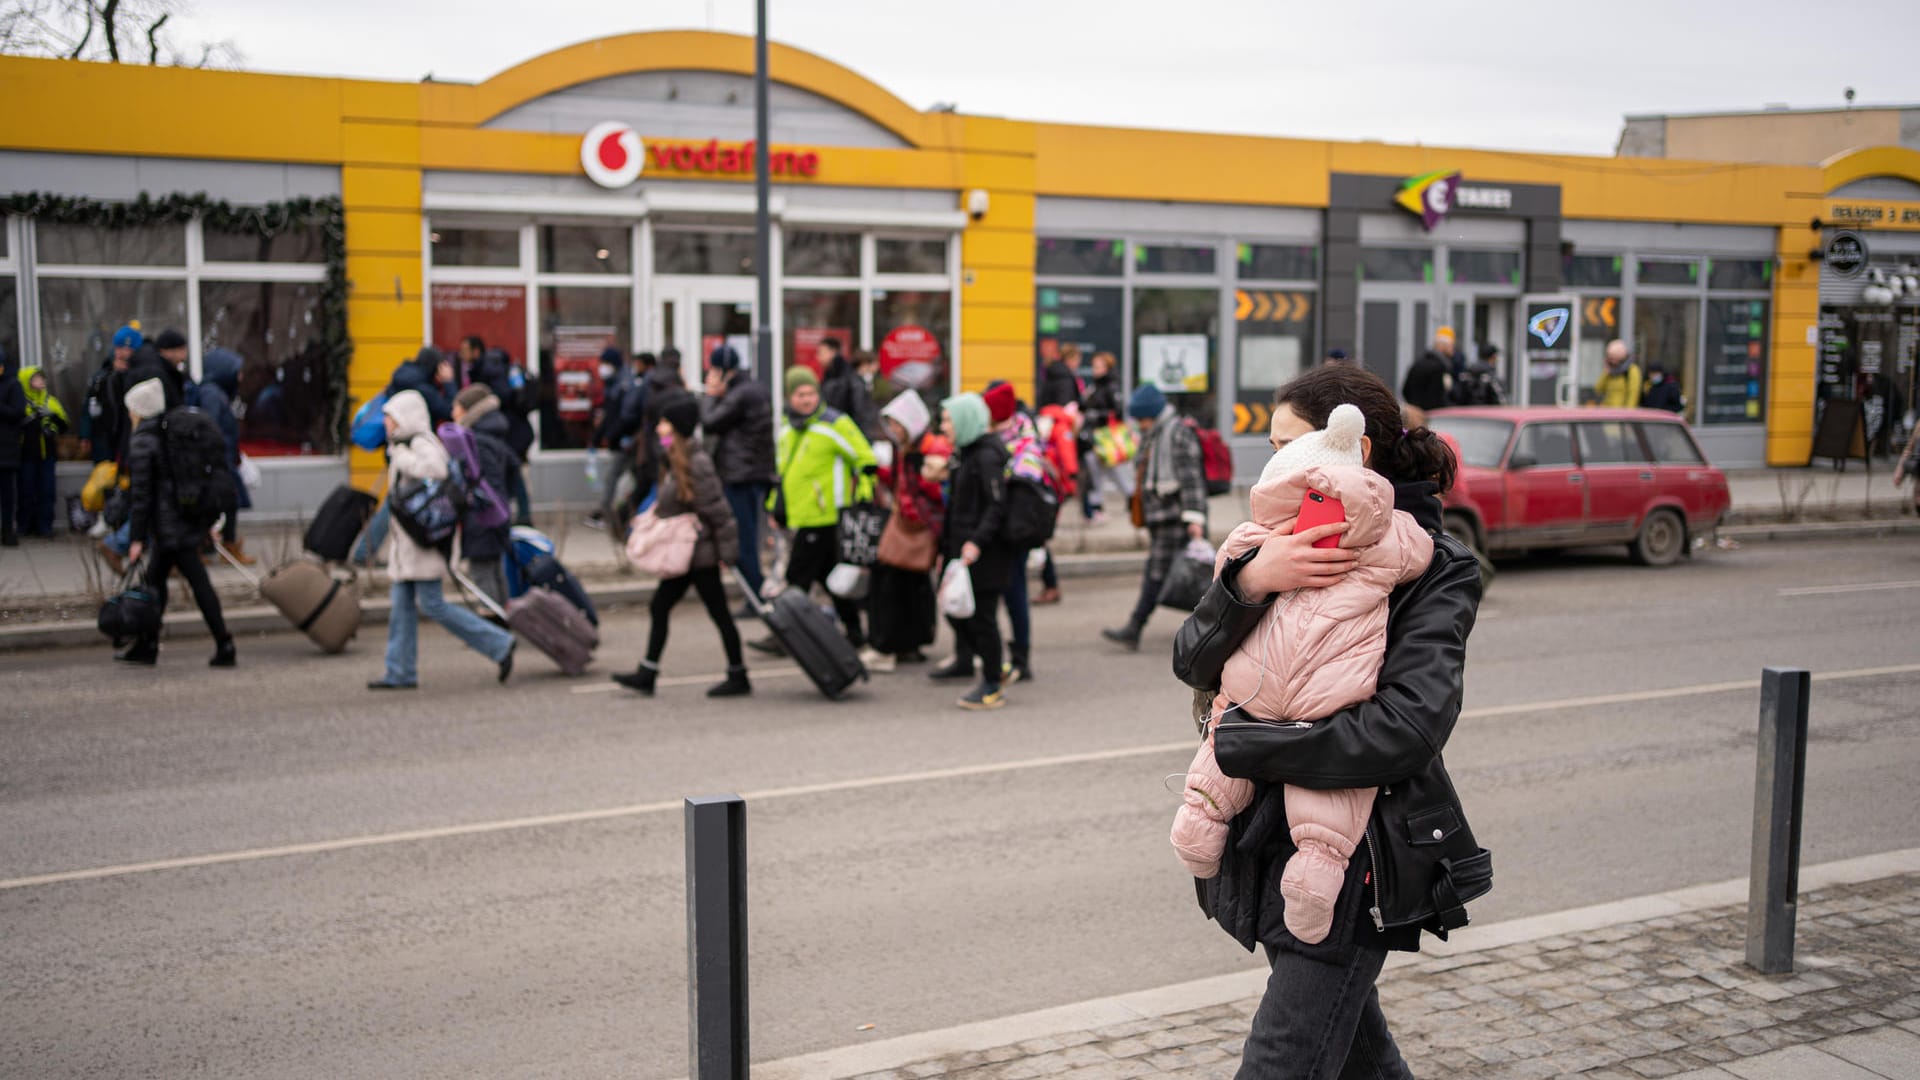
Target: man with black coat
point(106, 417)
point(13, 419)
point(739, 428)
point(157, 524)
point(842, 388)
point(426, 373)
point(1429, 379)
point(1060, 380)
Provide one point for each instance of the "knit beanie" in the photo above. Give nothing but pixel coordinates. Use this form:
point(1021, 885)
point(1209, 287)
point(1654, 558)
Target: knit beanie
point(1147, 403)
point(970, 418)
point(1001, 400)
point(170, 339)
point(909, 412)
point(800, 375)
point(127, 338)
point(679, 409)
point(147, 399)
point(1336, 444)
point(723, 358)
point(472, 395)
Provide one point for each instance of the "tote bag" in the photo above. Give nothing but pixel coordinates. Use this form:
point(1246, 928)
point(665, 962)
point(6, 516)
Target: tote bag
point(661, 546)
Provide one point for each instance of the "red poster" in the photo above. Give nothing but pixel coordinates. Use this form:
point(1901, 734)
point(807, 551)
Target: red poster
point(910, 356)
point(576, 368)
point(808, 338)
point(496, 314)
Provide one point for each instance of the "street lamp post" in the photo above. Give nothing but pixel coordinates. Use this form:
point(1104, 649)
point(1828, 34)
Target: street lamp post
point(762, 224)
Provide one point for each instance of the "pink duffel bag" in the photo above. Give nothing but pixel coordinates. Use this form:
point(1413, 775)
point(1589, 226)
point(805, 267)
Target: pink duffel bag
point(661, 546)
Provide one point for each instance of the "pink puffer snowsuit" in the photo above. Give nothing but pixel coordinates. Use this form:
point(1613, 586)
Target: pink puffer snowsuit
point(1317, 652)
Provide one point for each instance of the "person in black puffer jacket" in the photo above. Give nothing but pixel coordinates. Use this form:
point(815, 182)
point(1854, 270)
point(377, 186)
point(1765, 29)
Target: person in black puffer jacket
point(158, 525)
point(478, 410)
point(842, 388)
point(219, 389)
point(1060, 380)
point(426, 374)
point(1320, 1014)
point(976, 508)
point(739, 430)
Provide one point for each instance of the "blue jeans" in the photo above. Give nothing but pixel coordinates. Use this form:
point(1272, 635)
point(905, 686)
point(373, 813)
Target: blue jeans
point(1019, 609)
point(374, 536)
point(747, 502)
point(1320, 1019)
point(403, 629)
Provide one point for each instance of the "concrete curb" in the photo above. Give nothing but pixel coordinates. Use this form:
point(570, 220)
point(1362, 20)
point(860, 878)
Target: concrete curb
point(1822, 530)
point(1223, 989)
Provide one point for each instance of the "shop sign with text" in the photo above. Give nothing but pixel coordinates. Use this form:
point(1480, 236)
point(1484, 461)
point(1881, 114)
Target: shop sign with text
point(1872, 214)
point(1435, 195)
point(613, 156)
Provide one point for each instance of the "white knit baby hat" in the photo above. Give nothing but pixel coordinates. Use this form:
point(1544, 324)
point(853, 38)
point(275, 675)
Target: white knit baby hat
point(1337, 444)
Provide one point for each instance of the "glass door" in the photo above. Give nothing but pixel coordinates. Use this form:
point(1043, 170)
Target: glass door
point(699, 315)
point(1395, 328)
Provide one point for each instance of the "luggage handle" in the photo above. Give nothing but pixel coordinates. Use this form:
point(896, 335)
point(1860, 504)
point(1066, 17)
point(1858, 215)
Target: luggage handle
point(252, 578)
point(753, 598)
point(473, 592)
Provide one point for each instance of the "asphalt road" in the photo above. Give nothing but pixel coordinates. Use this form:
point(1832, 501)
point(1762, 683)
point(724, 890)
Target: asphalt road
point(912, 866)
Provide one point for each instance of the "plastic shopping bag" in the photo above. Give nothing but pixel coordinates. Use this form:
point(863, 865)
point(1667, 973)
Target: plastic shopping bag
point(848, 582)
point(956, 590)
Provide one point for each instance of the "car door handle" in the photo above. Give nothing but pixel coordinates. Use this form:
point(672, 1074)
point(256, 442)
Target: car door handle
point(1576, 478)
point(1647, 476)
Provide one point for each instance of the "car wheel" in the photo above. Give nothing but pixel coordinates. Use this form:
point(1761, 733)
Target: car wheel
point(1662, 539)
point(1460, 527)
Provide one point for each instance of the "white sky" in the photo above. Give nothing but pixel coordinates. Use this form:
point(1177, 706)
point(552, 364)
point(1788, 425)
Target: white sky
point(1513, 74)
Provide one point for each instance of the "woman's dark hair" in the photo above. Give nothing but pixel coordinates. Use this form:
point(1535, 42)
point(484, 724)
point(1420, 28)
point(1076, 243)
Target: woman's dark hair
point(1401, 455)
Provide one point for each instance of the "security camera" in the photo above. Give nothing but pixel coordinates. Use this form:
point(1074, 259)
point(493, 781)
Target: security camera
point(977, 204)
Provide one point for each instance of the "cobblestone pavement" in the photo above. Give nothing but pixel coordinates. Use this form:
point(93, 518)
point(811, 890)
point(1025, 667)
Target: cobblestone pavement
point(1670, 997)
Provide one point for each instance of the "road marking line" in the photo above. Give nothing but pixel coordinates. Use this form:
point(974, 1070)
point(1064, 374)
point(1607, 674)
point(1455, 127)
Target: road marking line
point(829, 787)
point(687, 680)
point(1828, 590)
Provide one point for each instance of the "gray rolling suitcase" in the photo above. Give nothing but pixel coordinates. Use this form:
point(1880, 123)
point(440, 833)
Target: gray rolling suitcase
point(549, 621)
point(811, 637)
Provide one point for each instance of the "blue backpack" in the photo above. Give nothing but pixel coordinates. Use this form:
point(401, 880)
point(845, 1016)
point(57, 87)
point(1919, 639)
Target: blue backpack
point(369, 431)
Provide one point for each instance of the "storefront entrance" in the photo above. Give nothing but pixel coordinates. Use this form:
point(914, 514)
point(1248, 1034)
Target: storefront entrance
point(697, 315)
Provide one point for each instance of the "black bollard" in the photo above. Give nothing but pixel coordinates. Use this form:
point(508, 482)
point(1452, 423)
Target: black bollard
point(717, 938)
point(1773, 889)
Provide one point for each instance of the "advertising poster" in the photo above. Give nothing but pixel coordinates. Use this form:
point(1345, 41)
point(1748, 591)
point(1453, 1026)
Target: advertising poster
point(1736, 362)
point(576, 368)
point(496, 314)
point(1176, 363)
point(910, 356)
point(1087, 317)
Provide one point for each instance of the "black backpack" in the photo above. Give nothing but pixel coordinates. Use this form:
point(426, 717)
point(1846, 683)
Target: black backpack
point(196, 460)
point(1032, 509)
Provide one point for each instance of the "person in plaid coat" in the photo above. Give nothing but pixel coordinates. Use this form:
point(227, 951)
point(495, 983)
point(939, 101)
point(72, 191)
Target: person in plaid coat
point(1170, 485)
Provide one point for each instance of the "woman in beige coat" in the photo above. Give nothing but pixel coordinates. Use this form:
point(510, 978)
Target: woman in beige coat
point(415, 454)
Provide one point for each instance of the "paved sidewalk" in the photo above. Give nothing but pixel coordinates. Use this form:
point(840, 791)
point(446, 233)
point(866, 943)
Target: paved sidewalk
point(1662, 997)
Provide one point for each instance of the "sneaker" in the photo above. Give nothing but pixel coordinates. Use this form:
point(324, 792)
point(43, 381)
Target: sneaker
point(878, 662)
point(953, 670)
point(595, 520)
point(382, 684)
point(506, 664)
point(1126, 636)
point(983, 697)
point(769, 645)
point(1011, 673)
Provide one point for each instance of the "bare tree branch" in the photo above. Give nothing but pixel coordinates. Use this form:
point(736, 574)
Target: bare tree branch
point(67, 29)
point(153, 38)
point(80, 46)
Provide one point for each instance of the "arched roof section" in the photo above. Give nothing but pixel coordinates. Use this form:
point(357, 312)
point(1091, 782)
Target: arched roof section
point(677, 50)
point(1872, 161)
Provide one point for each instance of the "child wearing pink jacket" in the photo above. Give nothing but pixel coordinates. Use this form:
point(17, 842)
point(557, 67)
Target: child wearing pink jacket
point(1318, 651)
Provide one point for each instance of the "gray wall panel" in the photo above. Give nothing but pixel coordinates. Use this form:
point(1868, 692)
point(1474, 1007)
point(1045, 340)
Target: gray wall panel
point(688, 105)
point(795, 195)
point(1878, 187)
point(99, 176)
point(1645, 236)
point(1113, 217)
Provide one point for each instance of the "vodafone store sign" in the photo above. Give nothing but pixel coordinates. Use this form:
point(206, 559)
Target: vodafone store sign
point(611, 154)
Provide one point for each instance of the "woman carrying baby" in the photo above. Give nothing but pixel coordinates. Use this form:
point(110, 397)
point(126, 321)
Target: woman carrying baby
point(1338, 676)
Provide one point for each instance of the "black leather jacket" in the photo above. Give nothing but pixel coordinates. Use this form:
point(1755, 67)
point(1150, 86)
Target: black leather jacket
point(1419, 864)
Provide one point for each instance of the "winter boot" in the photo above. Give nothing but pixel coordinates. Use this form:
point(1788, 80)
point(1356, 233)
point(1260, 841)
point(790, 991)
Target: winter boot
point(223, 654)
point(641, 679)
point(144, 651)
point(736, 684)
point(983, 696)
point(238, 549)
point(1017, 668)
point(1127, 636)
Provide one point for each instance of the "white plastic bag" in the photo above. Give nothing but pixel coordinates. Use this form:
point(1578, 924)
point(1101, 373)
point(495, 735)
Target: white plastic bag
point(250, 475)
point(1201, 550)
point(956, 590)
point(848, 582)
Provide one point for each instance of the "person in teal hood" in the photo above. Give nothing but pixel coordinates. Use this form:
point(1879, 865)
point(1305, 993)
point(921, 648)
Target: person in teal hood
point(976, 509)
point(46, 421)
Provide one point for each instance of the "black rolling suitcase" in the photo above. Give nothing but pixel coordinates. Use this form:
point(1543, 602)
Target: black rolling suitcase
point(337, 524)
point(811, 637)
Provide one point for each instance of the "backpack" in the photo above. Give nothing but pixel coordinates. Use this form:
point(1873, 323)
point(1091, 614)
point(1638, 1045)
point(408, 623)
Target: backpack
point(196, 458)
point(486, 508)
point(1033, 498)
point(430, 511)
point(369, 430)
point(1215, 458)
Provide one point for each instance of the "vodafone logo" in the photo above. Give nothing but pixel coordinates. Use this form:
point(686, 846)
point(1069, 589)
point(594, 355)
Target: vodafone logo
point(611, 154)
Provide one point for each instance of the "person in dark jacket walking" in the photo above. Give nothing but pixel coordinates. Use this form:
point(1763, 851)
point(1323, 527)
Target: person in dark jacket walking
point(478, 410)
point(689, 484)
point(1320, 1016)
point(158, 525)
point(13, 420)
point(426, 374)
point(1662, 392)
point(1430, 379)
point(106, 418)
point(616, 383)
point(739, 430)
point(976, 508)
point(842, 388)
point(1098, 407)
point(1060, 380)
point(1171, 478)
point(219, 389)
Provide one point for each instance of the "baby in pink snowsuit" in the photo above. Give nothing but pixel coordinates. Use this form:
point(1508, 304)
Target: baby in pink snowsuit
point(1318, 651)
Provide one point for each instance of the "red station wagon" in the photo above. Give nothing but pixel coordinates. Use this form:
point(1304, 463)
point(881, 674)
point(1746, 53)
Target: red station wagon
point(1553, 478)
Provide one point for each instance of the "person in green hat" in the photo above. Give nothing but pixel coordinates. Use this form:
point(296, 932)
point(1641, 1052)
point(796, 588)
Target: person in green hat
point(826, 465)
point(46, 421)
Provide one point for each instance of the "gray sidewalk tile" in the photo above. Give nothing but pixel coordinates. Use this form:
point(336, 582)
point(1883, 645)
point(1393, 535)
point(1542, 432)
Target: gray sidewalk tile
point(1798, 1063)
point(1889, 1051)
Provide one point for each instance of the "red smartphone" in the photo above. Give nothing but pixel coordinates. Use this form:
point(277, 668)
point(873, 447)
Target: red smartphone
point(1317, 509)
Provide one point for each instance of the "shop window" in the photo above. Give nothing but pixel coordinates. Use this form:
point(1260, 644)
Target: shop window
point(1086, 316)
point(813, 315)
point(820, 254)
point(475, 247)
point(1484, 267)
point(1599, 324)
point(1591, 271)
point(912, 336)
point(586, 249)
point(1396, 264)
point(1066, 257)
point(1666, 334)
point(1731, 389)
point(306, 244)
point(275, 328)
point(1663, 272)
point(679, 251)
point(576, 323)
point(1173, 259)
point(1753, 275)
point(924, 256)
point(85, 245)
point(1274, 344)
point(79, 315)
point(1277, 262)
point(1176, 346)
point(496, 314)
point(1670, 445)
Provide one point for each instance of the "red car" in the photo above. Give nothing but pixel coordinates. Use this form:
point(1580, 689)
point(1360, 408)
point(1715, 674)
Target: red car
point(1554, 478)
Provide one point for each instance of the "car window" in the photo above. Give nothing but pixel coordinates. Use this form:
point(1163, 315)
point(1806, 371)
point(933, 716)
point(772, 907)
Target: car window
point(1545, 446)
point(1607, 442)
point(1671, 444)
point(1482, 441)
